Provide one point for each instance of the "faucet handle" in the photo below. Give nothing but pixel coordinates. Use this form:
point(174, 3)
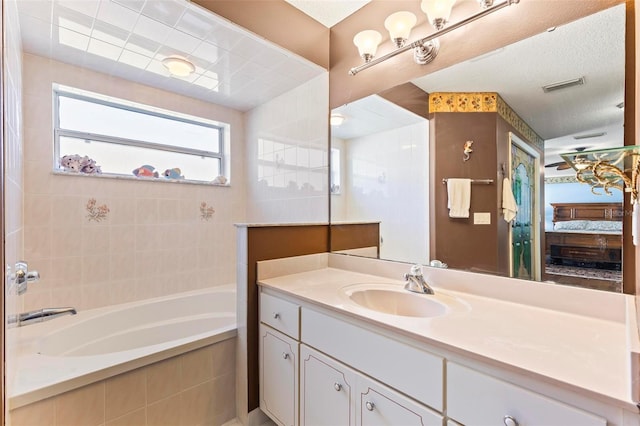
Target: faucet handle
point(23, 276)
point(416, 270)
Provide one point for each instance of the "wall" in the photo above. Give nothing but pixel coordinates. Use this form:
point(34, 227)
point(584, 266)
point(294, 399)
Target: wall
point(13, 155)
point(196, 388)
point(386, 178)
point(153, 240)
point(287, 157)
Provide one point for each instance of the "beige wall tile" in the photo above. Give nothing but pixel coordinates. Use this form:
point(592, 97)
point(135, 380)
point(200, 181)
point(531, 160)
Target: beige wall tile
point(81, 407)
point(125, 393)
point(225, 396)
point(163, 380)
point(137, 418)
point(165, 412)
point(224, 357)
point(197, 405)
point(196, 367)
point(40, 413)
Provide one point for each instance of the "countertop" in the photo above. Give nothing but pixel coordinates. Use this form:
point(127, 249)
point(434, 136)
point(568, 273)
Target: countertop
point(582, 353)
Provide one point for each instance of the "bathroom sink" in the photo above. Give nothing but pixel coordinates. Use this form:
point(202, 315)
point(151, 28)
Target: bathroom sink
point(395, 300)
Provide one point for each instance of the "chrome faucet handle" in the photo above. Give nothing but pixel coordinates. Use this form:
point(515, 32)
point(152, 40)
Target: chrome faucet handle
point(416, 270)
point(22, 277)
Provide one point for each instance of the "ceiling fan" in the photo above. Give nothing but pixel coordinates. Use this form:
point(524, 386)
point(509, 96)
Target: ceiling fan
point(563, 165)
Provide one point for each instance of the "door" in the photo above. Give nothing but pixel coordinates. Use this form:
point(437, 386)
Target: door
point(278, 376)
point(524, 231)
point(327, 390)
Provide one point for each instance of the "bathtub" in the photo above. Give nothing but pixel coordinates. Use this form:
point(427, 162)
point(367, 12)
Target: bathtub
point(73, 351)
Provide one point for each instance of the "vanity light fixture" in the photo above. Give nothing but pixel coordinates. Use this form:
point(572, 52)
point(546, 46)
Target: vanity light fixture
point(178, 66)
point(399, 25)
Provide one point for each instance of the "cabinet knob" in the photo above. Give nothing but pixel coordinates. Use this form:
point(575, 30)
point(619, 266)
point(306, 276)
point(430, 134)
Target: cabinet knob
point(337, 386)
point(369, 405)
point(285, 355)
point(509, 421)
point(276, 315)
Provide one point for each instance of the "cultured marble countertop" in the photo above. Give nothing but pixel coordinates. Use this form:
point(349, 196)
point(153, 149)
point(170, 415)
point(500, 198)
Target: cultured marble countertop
point(580, 352)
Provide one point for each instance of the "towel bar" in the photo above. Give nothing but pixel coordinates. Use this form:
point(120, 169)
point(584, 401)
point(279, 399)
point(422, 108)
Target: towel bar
point(480, 181)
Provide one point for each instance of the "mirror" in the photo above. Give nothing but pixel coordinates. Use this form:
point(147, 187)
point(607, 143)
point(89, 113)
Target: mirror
point(384, 166)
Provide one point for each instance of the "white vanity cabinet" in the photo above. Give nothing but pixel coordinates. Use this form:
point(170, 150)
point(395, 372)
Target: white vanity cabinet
point(476, 398)
point(279, 352)
point(333, 394)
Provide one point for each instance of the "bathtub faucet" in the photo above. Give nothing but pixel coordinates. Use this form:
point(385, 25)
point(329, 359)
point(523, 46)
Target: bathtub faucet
point(39, 315)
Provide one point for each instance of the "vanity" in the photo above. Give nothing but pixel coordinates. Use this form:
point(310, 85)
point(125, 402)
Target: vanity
point(343, 343)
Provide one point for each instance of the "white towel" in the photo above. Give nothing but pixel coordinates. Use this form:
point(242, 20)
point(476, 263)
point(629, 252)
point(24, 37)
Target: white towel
point(509, 206)
point(459, 193)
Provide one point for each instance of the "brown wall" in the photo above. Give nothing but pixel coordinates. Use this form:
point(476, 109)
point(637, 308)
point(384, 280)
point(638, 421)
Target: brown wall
point(458, 242)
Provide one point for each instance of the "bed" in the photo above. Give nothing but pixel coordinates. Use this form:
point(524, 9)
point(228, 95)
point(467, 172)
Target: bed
point(586, 233)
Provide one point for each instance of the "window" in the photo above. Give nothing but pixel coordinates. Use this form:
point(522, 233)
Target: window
point(122, 136)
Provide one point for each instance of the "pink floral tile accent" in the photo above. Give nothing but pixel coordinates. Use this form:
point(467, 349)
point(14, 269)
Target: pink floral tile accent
point(95, 212)
point(206, 212)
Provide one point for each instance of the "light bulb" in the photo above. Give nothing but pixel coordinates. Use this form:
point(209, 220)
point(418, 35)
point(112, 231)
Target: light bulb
point(367, 42)
point(438, 11)
point(399, 25)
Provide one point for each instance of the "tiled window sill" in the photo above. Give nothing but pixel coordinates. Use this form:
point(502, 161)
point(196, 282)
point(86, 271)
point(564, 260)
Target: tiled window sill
point(143, 179)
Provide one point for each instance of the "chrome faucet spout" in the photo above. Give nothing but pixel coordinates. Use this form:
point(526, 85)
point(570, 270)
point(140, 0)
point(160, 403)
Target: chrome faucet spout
point(39, 315)
point(415, 281)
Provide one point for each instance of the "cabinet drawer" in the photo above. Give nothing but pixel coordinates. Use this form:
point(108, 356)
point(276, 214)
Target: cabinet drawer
point(413, 371)
point(474, 398)
point(280, 314)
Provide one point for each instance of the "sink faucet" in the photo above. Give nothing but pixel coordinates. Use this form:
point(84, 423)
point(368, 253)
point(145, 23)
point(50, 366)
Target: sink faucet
point(39, 315)
point(415, 281)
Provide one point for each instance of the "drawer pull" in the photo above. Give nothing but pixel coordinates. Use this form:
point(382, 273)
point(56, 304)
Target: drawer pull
point(509, 421)
point(337, 386)
point(276, 315)
point(285, 355)
point(369, 405)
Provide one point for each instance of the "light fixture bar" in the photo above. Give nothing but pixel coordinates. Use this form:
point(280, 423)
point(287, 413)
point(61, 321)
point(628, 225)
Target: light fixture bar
point(420, 42)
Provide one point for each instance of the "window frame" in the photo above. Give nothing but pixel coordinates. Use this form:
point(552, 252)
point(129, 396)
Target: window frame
point(138, 108)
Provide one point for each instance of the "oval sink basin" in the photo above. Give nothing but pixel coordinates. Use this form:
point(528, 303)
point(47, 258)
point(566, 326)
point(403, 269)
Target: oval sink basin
point(397, 301)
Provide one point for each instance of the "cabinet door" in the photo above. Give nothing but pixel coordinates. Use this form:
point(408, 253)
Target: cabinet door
point(381, 406)
point(327, 390)
point(278, 376)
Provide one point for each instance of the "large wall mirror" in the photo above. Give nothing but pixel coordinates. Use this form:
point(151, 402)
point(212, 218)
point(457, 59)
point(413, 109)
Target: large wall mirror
point(383, 156)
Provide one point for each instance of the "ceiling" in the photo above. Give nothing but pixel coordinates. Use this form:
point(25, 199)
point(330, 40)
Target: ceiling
point(328, 12)
point(129, 39)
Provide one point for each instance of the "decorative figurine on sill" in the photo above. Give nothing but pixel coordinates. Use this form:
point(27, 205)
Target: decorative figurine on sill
point(146, 171)
point(174, 173)
point(219, 180)
point(77, 164)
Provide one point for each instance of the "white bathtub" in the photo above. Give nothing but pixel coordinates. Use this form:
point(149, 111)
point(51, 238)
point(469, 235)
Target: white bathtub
point(72, 351)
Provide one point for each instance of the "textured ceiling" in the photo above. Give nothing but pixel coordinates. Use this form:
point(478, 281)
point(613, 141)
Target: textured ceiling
point(328, 12)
